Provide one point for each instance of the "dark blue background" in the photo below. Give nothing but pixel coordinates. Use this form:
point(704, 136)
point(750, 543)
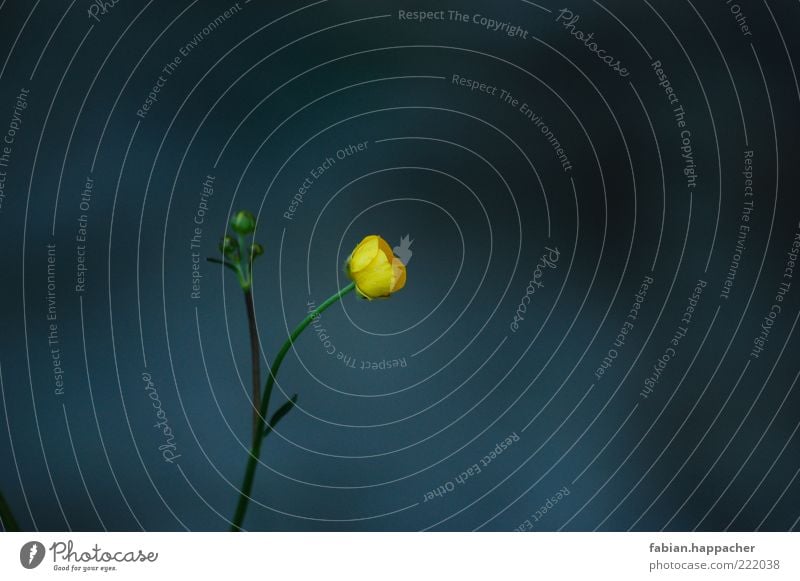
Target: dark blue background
point(275, 90)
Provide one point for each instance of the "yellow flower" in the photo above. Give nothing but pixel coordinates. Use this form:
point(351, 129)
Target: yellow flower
point(375, 269)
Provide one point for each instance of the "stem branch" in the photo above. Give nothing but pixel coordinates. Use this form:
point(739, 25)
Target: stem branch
point(255, 450)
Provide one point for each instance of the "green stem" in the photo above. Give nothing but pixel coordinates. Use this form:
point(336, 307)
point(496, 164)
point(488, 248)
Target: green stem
point(255, 450)
point(9, 522)
point(245, 263)
point(255, 357)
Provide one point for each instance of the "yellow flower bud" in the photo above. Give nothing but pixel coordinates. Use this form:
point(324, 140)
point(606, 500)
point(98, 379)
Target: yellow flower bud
point(375, 269)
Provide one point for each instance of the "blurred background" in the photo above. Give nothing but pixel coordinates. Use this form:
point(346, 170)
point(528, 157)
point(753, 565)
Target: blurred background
point(592, 389)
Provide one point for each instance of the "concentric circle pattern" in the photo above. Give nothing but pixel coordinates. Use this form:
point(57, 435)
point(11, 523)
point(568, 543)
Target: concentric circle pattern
point(598, 210)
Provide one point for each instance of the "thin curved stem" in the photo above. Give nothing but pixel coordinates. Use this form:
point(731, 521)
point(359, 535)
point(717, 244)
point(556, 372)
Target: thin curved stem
point(9, 522)
point(255, 450)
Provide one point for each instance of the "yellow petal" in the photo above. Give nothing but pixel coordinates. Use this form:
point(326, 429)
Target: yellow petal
point(384, 247)
point(364, 253)
point(375, 280)
point(399, 274)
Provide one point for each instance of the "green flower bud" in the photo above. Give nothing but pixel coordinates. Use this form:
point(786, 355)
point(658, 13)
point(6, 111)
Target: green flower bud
point(228, 246)
point(256, 250)
point(243, 222)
